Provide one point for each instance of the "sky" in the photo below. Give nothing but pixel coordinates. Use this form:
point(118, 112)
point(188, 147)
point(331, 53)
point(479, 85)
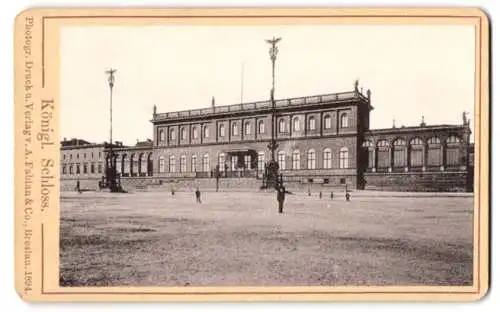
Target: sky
point(412, 71)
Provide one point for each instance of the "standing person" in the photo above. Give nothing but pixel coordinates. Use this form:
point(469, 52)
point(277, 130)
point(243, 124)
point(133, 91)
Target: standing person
point(173, 192)
point(347, 196)
point(331, 195)
point(77, 188)
point(320, 194)
point(281, 198)
point(198, 195)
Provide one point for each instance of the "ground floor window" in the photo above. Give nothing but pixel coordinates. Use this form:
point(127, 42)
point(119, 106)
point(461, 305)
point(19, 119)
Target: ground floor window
point(193, 163)
point(221, 162)
point(434, 157)
point(248, 162)
point(281, 160)
point(296, 160)
point(183, 164)
point(327, 159)
point(344, 158)
point(234, 163)
point(311, 159)
point(161, 164)
point(452, 156)
point(261, 161)
point(171, 164)
point(206, 163)
point(417, 157)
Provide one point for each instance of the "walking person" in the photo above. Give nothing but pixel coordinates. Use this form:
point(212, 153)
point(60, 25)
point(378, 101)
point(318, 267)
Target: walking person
point(331, 195)
point(198, 195)
point(320, 194)
point(281, 198)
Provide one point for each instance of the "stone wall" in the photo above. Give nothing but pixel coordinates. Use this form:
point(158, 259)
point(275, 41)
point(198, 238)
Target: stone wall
point(413, 181)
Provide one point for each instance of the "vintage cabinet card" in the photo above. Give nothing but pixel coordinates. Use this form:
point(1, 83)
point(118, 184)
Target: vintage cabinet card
point(252, 154)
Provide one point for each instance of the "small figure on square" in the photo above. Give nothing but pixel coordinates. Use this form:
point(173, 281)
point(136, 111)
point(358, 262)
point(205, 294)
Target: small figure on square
point(198, 195)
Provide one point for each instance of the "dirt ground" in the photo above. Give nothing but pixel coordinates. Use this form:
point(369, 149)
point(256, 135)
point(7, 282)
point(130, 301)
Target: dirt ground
point(156, 239)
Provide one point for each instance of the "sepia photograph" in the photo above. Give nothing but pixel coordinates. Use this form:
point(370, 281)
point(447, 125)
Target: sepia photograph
point(267, 155)
point(252, 154)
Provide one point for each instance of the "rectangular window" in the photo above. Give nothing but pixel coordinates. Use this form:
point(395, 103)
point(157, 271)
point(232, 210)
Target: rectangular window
point(193, 164)
point(183, 164)
point(221, 162)
point(296, 161)
point(234, 163)
point(399, 158)
point(434, 157)
point(205, 164)
point(162, 164)
point(260, 162)
point(452, 157)
point(248, 161)
point(281, 161)
point(417, 158)
point(383, 159)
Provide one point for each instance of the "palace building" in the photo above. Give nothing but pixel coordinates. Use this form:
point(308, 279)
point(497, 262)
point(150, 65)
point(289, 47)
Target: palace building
point(323, 140)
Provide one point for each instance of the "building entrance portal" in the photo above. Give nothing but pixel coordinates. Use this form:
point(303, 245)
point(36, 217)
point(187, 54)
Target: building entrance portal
point(243, 163)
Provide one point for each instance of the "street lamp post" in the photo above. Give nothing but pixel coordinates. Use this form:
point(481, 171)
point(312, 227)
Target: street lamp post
point(111, 174)
point(273, 166)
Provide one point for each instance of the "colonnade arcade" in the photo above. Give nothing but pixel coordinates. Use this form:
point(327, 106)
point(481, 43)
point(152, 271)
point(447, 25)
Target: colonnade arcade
point(415, 153)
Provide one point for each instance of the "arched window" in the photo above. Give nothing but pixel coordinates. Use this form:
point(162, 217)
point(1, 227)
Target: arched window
point(161, 164)
point(344, 121)
point(235, 129)
point(281, 160)
point(172, 134)
point(261, 161)
point(222, 130)
point(327, 158)
point(171, 164)
point(416, 152)
point(183, 133)
point(296, 124)
point(193, 163)
point(327, 122)
point(399, 153)
point(452, 151)
point(247, 128)
point(311, 159)
point(183, 163)
point(282, 127)
point(162, 135)
point(261, 126)
point(195, 132)
point(452, 139)
point(64, 169)
point(367, 143)
point(222, 162)
point(434, 154)
point(84, 168)
point(296, 160)
point(312, 123)
point(206, 163)
point(344, 158)
point(92, 168)
point(206, 131)
point(70, 169)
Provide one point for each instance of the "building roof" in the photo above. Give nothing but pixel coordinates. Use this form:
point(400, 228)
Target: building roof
point(416, 129)
point(75, 143)
point(264, 105)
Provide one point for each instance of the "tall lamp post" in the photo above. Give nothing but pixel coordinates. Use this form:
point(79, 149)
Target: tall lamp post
point(111, 174)
point(273, 166)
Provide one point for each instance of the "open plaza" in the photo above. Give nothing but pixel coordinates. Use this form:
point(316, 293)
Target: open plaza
point(152, 237)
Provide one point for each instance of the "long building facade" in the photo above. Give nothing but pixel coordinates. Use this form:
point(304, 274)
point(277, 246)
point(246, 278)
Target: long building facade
point(322, 140)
